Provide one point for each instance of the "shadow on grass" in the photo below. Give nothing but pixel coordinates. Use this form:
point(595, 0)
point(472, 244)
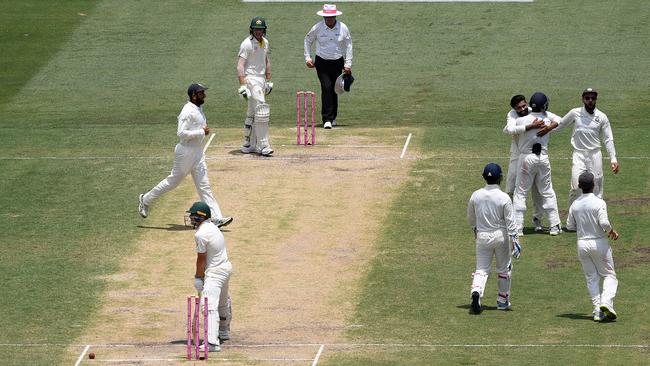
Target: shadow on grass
point(577, 316)
point(170, 227)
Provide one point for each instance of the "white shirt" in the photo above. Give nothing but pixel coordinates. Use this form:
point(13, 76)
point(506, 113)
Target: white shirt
point(210, 240)
point(588, 214)
point(528, 138)
point(490, 209)
point(589, 131)
point(255, 54)
point(191, 121)
point(511, 128)
point(332, 43)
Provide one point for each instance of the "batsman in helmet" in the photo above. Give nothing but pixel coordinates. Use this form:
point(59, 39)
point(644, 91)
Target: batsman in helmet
point(254, 73)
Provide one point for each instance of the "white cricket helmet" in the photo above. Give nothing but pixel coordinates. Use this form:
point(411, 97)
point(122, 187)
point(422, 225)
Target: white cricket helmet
point(339, 85)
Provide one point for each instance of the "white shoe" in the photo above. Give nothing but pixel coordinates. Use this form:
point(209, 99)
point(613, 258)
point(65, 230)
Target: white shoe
point(598, 315)
point(327, 125)
point(334, 123)
point(555, 230)
point(142, 208)
point(503, 305)
point(538, 224)
point(610, 314)
point(211, 347)
point(247, 149)
point(224, 221)
point(267, 151)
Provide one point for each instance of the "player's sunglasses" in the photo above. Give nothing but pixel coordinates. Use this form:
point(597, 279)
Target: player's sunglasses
point(588, 97)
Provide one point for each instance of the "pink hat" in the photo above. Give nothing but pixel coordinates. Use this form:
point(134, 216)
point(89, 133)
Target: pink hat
point(329, 10)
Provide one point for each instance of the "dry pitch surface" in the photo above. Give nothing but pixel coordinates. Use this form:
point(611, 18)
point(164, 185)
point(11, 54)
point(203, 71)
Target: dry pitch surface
point(306, 221)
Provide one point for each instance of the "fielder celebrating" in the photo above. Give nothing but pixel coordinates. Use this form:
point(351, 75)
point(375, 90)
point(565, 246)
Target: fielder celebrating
point(254, 73)
point(188, 157)
point(520, 109)
point(490, 214)
point(588, 215)
point(213, 270)
point(534, 165)
point(591, 129)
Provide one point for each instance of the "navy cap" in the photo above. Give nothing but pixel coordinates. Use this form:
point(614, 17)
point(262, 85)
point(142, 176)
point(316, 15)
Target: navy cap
point(348, 79)
point(589, 91)
point(492, 170)
point(195, 88)
point(586, 179)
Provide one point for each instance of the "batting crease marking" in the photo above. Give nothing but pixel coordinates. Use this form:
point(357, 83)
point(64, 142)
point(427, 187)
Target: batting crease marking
point(82, 355)
point(320, 351)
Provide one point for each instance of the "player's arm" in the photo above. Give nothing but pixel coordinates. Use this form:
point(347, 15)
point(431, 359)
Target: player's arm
point(268, 68)
point(309, 40)
point(347, 41)
point(241, 67)
point(608, 138)
point(201, 260)
point(184, 132)
point(571, 221)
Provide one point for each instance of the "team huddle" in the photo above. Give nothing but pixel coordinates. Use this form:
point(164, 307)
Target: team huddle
point(497, 217)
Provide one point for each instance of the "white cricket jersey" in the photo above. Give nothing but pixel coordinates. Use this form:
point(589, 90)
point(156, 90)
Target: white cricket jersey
point(255, 54)
point(588, 214)
point(490, 209)
point(528, 138)
point(589, 131)
point(210, 240)
point(191, 121)
point(332, 43)
point(511, 128)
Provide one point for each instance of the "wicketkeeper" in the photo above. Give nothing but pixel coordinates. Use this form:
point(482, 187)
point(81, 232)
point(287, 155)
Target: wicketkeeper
point(254, 73)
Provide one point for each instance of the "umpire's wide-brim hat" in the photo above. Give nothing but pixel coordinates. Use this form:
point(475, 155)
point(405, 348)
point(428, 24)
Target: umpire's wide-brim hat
point(329, 10)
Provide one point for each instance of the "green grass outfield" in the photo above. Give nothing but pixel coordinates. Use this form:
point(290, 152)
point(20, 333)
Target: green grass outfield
point(104, 80)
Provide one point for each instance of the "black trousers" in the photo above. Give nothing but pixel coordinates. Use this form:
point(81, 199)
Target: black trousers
point(328, 71)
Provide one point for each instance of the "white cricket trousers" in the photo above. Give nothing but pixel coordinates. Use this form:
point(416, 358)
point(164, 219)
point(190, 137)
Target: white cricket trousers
point(493, 244)
point(586, 161)
point(188, 158)
point(597, 262)
point(535, 170)
point(215, 288)
point(257, 136)
point(511, 183)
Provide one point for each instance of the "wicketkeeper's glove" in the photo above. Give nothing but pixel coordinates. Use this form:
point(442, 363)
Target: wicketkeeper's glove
point(243, 92)
point(516, 247)
point(268, 87)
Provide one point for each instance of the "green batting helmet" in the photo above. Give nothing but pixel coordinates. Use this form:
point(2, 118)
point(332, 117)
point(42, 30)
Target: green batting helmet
point(200, 209)
point(258, 23)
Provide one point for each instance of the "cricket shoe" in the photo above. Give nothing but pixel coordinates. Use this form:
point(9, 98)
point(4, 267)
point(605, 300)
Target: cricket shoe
point(503, 305)
point(476, 302)
point(267, 151)
point(142, 208)
point(247, 149)
point(334, 123)
point(610, 314)
point(538, 224)
point(327, 125)
point(598, 315)
point(211, 347)
point(221, 222)
point(555, 230)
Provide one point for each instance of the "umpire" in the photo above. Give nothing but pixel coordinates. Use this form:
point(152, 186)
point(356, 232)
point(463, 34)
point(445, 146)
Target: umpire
point(333, 55)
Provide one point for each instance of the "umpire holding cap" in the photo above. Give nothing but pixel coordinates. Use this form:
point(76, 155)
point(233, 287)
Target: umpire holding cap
point(333, 55)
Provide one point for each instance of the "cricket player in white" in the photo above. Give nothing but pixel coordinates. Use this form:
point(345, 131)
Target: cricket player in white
point(520, 109)
point(188, 157)
point(254, 73)
point(534, 165)
point(213, 270)
point(591, 129)
point(490, 214)
point(588, 215)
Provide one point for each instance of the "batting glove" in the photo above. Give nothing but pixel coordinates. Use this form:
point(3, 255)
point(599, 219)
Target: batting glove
point(268, 87)
point(243, 92)
point(198, 284)
point(516, 247)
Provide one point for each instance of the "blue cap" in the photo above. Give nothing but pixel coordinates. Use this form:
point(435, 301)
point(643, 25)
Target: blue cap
point(195, 88)
point(492, 170)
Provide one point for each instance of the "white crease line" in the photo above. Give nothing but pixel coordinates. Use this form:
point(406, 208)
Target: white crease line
point(142, 360)
point(82, 355)
point(415, 345)
point(320, 351)
point(406, 145)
